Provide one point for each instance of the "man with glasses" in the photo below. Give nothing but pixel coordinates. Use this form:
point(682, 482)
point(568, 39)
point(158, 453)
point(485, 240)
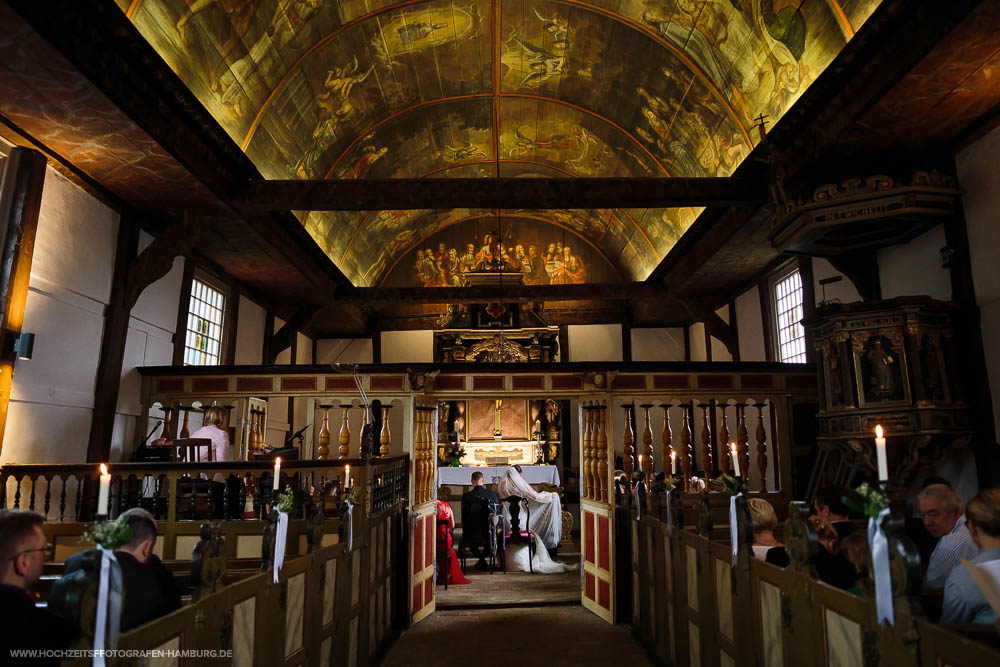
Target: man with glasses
point(23, 549)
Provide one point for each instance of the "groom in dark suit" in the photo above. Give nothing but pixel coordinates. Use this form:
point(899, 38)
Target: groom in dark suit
point(476, 506)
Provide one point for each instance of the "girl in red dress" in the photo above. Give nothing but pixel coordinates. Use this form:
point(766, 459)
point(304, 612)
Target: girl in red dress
point(444, 512)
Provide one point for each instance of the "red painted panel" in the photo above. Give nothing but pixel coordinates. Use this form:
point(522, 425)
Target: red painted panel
point(588, 585)
point(715, 381)
point(487, 382)
point(528, 382)
point(417, 600)
point(429, 540)
point(418, 547)
point(445, 382)
point(757, 381)
point(211, 384)
point(604, 594)
point(629, 382)
point(604, 542)
point(565, 382)
point(390, 382)
point(298, 384)
point(340, 383)
point(671, 381)
point(588, 535)
point(253, 384)
point(173, 384)
point(428, 590)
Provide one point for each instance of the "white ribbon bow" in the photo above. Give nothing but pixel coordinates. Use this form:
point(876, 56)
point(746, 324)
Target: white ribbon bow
point(349, 530)
point(109, 605)
point(879, 545)
point(280, 535)
point(734, 531)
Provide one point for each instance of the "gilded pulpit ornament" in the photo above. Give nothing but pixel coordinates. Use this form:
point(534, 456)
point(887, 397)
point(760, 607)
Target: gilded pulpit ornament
point(497, 350)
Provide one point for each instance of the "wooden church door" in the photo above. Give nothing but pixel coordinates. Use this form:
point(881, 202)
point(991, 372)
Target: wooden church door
point(597, 515)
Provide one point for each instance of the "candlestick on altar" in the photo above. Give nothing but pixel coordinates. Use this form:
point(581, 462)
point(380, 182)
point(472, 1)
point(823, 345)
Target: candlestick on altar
point(735, 457)
point(103, 492)
point(673, 462)
point(883, 466)
point(277, 471)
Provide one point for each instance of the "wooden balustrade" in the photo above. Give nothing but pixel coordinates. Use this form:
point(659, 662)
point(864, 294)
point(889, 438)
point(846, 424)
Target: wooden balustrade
point(647, 447)
point(323, 439)
point(586, 453)
point(424, 442)
point(628, 438)
point(601, 451)
point(180, 500)
point(693, 605)
point(722, 442)
point(687, 451)
point(344, 437)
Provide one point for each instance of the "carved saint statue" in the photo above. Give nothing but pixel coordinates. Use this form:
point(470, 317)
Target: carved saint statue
point(880, 377)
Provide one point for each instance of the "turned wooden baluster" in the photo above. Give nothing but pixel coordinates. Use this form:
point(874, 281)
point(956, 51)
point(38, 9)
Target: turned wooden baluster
point(185, 430)
point(323, 440)
point(586, 453)
point(167, 434)
point(385, 438)
point(602, 451)
point(344, 438)
point(647, 447)
point(418, 454)
point(422, 457)
point(761, 437)
point(667, 441)
point(428, 452)
point(687, 451)
point(722, 442)
point(628, 461)
point(742, 441)
point(706, 440)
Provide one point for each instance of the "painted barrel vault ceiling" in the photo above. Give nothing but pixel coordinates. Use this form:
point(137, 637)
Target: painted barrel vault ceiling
point(481, 88)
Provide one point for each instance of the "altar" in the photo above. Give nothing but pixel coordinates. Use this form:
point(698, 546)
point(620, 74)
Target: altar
point(462, 476)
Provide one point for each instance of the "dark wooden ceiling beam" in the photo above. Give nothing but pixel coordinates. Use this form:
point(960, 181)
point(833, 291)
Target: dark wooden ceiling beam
point(390, 296)
point(532, 193)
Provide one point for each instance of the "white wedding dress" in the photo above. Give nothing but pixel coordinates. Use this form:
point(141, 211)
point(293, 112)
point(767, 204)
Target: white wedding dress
point(544, 520)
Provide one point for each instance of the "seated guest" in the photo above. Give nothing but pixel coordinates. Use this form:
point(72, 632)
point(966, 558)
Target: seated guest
point(855, 549)
point(964, 602)
point(471, 532)
point(764, 521)
point(444, 513)
point(941, 510)
point(831, 566)
point(211, 428)
point(22, 624)
point(150, 588)
point(829, 505)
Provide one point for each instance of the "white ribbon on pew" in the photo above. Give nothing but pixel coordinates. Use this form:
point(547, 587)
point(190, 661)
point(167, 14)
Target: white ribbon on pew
point(638, 508)
point(280, 535)
point(109, 605)
point(349, 529)
point(670, 516)
point(734, 531)
point(879, 545)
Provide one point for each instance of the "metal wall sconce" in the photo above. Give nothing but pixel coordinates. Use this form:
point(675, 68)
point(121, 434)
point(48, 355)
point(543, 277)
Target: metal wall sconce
point(22, 346)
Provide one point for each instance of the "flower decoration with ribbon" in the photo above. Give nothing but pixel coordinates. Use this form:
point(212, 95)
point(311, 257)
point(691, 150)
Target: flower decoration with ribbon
point(872, 502)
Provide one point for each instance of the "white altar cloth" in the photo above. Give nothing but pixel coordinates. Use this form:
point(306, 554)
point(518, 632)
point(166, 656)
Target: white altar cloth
point(531, 474)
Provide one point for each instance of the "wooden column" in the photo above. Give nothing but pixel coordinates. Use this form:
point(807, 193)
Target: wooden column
point(722, 442)
point(20, 200)
point(587, 482)
point(183, 308)
point(628, 439)
point(647, 447)
point(601, 412)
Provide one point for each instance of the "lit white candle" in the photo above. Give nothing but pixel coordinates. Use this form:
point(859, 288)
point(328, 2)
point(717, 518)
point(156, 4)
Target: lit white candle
point(105, 489)
point(347, 479)
point(277, 471)
point(673, 462)
point(883, 467)
point(736, 458)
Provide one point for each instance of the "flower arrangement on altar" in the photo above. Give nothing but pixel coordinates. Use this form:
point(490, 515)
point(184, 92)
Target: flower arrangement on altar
point(286, 501)
point(867, 500)
point(453, 452)
point(109, 534)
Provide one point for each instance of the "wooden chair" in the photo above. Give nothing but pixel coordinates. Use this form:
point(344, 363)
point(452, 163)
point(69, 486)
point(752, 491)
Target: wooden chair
point(193, 493)
point(189, 449)
point(479, 529)
point(516, 535)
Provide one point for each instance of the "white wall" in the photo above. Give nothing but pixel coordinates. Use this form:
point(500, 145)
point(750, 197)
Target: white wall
point(980, 182)
point(843, 291)
point(719, 350)
point(249, 333)
point(344, 350)
point(696, 339)
point(750, 326)
point(408, 347)
point(915, 268)
point(595, 342)
point(657, 344)
point(52, 396)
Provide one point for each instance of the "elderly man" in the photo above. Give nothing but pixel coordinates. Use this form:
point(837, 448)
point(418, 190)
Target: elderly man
point(150, 588)
point(22, 624)
point(941, 511)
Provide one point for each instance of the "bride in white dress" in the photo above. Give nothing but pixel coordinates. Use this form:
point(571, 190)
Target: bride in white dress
point(544, 520)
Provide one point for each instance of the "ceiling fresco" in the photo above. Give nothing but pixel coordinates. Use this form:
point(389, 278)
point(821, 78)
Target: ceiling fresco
point(484, 88)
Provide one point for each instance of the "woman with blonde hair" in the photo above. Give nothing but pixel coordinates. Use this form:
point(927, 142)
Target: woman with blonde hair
point(964, 602)
point(211, 428)
point(765, 546)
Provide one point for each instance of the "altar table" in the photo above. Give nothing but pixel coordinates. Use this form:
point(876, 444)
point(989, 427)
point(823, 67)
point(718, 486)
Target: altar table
point(531, 474)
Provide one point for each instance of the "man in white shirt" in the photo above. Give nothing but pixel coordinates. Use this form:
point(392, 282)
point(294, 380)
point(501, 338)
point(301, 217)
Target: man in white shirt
point(941, 511)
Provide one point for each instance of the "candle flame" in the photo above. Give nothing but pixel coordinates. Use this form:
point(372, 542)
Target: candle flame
point(878, 431)
point(348, 467)
point(104, 469)
point(673, 454)
point(277, 461)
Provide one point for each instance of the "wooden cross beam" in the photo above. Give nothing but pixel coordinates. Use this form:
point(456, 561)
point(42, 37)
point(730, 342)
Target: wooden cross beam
point(493, 193)
point(388, 296)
